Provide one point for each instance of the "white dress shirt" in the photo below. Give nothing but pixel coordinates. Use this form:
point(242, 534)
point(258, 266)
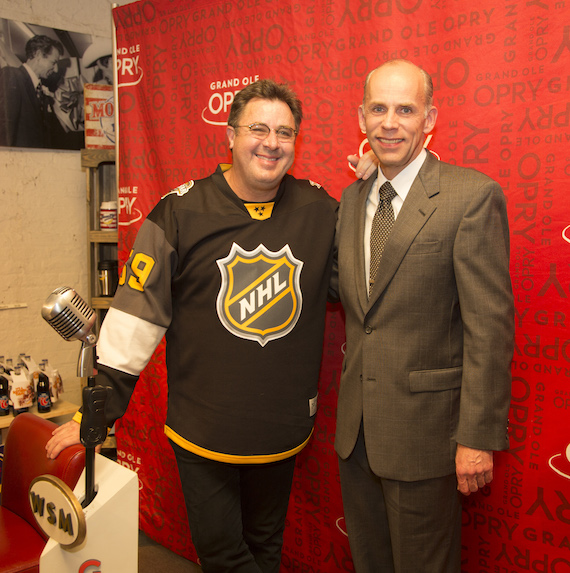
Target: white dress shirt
point(401, 184)
point(35, 79)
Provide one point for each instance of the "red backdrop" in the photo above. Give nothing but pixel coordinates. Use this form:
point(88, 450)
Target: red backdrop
point(502, 88)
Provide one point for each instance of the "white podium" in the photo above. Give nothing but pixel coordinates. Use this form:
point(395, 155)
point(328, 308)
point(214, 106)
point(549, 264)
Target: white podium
point(111, 526)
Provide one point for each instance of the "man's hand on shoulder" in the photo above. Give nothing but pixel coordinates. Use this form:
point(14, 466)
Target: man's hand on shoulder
point(365, 166)
point(474, 469)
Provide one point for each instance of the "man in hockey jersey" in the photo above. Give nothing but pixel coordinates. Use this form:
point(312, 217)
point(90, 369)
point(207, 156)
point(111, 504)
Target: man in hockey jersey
point(233, 269)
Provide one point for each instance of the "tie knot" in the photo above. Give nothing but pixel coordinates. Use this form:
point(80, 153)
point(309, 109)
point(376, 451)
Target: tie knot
point(387, 192)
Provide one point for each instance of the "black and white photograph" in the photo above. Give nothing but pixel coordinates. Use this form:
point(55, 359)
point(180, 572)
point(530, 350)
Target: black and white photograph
point(43, 72)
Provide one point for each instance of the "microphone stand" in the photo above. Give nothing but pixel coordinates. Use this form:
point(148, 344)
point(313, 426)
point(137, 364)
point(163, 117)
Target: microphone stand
point(89, 454)
point(93, 431)
point(86, 368)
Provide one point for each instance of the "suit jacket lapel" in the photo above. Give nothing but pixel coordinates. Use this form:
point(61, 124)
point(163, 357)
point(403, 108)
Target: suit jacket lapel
point(31, 93)
point(416, 210)
point(361, 279)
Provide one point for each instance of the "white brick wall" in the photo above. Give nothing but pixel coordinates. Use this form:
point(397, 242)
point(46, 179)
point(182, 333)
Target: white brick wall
point(43, 241)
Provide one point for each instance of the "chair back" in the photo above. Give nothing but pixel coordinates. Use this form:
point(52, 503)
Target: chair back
point(25, 459)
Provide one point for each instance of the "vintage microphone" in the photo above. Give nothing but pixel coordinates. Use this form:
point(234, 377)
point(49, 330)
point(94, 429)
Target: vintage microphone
point(73, 319)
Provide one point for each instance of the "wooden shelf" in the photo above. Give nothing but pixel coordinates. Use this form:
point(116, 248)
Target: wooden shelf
point(60, 408)
point(101, 302)
point(94, 157)
point(103, 236)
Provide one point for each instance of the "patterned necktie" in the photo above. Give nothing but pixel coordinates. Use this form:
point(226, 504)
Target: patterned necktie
point(40, 94)
point(381, 226)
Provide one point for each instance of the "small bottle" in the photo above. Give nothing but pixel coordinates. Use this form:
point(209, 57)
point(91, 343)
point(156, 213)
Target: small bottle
point(22, 392)
point(4, 393)
point(53, 390)
point(42, 391)
point(30, 363)
point(108, 277)
point(57, 382)
point(108, 216)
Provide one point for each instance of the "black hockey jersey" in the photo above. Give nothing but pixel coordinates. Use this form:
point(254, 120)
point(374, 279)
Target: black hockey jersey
point(242, 304)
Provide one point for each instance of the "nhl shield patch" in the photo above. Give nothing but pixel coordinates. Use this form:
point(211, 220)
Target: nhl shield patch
point(260, 298)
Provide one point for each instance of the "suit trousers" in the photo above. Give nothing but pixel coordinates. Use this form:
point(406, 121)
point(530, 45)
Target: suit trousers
point(399, 527)
point(236, 512)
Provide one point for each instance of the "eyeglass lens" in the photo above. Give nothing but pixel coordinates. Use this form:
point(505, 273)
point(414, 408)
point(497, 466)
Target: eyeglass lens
point(261, 131)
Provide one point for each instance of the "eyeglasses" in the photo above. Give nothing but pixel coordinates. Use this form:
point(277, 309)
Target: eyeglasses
point(262, 131)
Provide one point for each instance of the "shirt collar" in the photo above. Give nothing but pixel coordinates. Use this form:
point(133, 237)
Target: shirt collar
point(402, 183)
point(35, 79)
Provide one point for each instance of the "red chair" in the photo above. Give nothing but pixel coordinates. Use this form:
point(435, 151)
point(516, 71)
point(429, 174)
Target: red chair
point(21, 539)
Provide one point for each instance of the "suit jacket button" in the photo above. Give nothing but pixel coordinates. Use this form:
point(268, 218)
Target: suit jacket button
point(368, 329)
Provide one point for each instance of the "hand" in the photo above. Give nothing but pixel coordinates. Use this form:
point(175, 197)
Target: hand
point(474, 469)
point(63, 437)
point(365, 165)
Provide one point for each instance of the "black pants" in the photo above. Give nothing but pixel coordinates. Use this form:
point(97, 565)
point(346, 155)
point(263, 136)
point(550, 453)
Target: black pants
point(236, 512)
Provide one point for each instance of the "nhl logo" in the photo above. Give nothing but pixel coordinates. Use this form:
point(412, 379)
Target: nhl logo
point(260, 298)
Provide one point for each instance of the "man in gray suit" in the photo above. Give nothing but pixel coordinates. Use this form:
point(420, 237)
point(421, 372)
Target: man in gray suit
point(425, 387)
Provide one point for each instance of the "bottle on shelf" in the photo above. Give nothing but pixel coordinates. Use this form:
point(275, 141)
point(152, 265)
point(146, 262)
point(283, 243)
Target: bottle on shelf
point(4, 393)
point(108, 277)
point(58, 382)
point(42, 391)
point(22, 391)
point(7, 373)
point(55, 382)
point(30, 363)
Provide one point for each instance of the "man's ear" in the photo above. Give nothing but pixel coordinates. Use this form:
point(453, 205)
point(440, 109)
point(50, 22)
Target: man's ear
point(361, 121)
point(231, 135)
point(430, 120)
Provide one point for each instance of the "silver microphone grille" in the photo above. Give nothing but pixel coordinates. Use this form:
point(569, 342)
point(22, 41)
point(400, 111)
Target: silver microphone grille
point(68, 314)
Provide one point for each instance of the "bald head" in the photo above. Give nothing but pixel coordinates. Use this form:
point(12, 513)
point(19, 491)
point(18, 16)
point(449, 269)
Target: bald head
point(426, 79)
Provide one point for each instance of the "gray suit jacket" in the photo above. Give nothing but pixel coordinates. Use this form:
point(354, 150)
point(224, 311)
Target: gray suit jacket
point(428, 357)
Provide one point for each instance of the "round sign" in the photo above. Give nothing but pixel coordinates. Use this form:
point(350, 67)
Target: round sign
point(57, 511)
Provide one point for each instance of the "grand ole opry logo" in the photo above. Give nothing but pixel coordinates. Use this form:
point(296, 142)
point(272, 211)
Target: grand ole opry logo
point(260, 298)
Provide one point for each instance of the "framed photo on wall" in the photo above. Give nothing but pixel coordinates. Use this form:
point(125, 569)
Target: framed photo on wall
point(43, 72)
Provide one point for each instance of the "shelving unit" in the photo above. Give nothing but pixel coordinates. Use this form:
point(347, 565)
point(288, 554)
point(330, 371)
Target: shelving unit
point(99, 165)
